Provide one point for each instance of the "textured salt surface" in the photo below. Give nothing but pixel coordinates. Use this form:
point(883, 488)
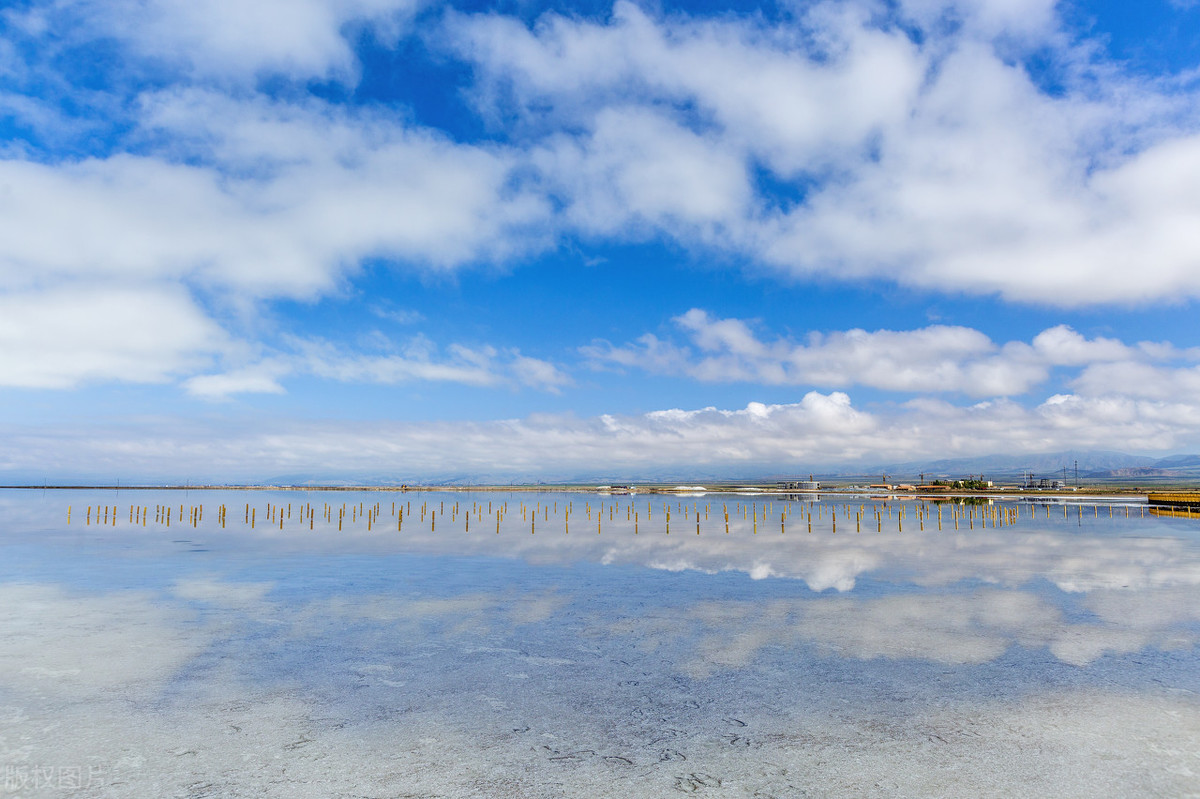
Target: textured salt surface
point(1056, 661)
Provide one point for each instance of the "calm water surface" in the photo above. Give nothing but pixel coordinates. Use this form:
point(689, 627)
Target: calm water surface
point(1006, 649)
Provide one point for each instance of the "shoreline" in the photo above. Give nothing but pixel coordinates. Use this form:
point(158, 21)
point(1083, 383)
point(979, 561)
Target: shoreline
point(657, 489)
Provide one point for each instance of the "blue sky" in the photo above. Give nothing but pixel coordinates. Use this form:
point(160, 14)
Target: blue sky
point(398, 239)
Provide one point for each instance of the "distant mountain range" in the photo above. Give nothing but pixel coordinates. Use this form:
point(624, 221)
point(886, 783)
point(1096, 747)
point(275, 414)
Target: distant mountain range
point(1092, 465)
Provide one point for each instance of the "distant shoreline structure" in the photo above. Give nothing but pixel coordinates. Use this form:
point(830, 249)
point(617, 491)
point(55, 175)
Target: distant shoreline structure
point(658, 489)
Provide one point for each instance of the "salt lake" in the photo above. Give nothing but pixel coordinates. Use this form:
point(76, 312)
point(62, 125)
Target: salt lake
point(545, 644)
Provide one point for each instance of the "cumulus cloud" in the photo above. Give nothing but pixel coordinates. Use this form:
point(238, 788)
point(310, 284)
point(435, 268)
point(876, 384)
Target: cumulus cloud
point(982, 193)
point(1134, 379)
point(252, 201)
point(228, 40)
point(932, 160)
point(767, 92)
point(62, 337)
point(283, 203)
point(938, 358)
point(270, 198)
point(941, 164)
point(640, 170)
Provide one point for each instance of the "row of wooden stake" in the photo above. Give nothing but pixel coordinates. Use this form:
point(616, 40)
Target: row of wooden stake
point(276, 515)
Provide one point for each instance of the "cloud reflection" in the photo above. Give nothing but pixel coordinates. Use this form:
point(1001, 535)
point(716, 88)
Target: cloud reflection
point(57, 643)
point(953, 629)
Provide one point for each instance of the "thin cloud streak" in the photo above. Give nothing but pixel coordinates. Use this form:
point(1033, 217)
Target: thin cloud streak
point(418, 360)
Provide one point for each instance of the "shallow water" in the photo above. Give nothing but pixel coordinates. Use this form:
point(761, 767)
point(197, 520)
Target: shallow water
point(1048, 649)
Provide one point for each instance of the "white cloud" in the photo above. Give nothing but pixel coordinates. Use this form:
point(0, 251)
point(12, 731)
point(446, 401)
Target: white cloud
point(61, 337)
point(231, 40)
point(941, 165)
point(993, 199)
point(418, 359)
point(818, 430)
point(285, 202)
point(539, 374)
point(763, 88)
point(1063, 346)
point(1133, 379)
point(640, 169)
point(938, 358)
point(258, 379)
point(275, 201)
point(1035, 18)
point(401, 316)
point(937, 163)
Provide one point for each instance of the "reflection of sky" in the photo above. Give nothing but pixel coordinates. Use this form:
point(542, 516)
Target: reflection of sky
point(447, 663)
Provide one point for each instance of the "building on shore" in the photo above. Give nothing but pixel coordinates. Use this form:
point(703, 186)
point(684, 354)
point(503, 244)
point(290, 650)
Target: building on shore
point(1032, 483)
point(798, 485)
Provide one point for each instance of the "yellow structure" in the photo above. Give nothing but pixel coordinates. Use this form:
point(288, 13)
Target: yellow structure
point(1175, 498)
